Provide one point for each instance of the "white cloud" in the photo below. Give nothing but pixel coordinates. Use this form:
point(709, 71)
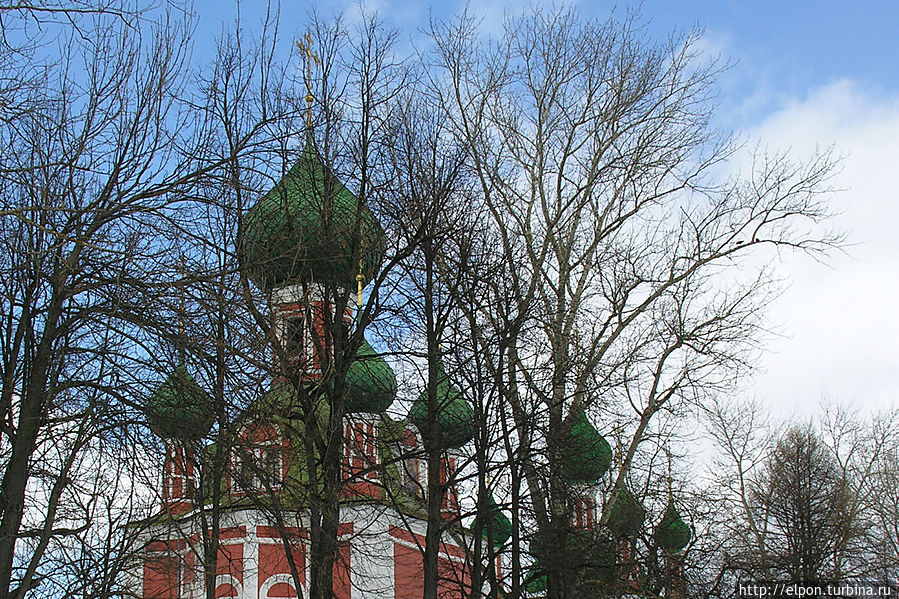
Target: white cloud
point(841, 319)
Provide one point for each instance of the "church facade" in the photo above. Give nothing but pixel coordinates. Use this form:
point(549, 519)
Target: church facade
point(302, 240)
point(379, 556)
point(298, 239)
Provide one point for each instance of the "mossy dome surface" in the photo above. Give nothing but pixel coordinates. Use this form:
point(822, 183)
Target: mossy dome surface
point(455, 418)
point(627, 515)
point(497, 526)
point(672, 534)
point(180, 408)
point(587, 454)
point(307, 228)
point(371, 382)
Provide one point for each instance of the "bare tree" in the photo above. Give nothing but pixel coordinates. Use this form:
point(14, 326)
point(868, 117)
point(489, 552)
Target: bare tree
point(589, 164)
point(595, 158)
point(100, 151)
point(884, 494)
point(434, 216)
point(799, 502)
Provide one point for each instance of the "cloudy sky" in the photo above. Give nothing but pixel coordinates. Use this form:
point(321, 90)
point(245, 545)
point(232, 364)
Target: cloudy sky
point(805, 74)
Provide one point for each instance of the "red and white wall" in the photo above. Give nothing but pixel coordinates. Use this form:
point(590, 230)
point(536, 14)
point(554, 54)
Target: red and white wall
point(380, 558)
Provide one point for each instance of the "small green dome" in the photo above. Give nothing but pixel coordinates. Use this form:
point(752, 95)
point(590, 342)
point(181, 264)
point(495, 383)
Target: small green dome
point(499, 525)
point(672, 534)
point(305, 229)
point(180, 408)
point(627, 515)
point(371, 383)
point(455, 418)
point(588, 455)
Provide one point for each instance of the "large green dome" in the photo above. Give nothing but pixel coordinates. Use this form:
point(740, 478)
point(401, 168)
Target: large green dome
point(180, 408)
point(306, 229)
point(455, 418)
point(672, 534)
point(371, 383)
point(499, 526)
point(587, 454)
point(627, 516)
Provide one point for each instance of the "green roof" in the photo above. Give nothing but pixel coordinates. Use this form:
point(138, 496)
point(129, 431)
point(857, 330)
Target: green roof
point(672, 534)
point(497, 525)
point(371, 383)
point(626, 518)
point(455, 418)
point(587, 454)
point(306, 229)
point(180, 408)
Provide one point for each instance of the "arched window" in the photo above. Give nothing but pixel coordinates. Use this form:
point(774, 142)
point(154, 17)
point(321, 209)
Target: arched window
point(227, 586)
point(361, 449)
point(447, 480)
point(279, 586)
point(294, 335)
point(260, 464)
point(178, 474)
point(584, 516)
point(411, 464)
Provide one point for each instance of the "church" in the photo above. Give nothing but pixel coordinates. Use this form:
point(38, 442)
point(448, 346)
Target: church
point(252, 538)
point(263, 552)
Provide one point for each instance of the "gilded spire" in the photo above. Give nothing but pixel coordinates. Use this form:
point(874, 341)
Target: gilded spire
point(669, 478)
point(360, 278)
point(309, 57)
point(182, 309)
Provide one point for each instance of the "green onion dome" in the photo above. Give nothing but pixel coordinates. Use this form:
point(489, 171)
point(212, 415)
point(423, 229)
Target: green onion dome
point(626, 518)
point(672, 534)
point(455, 418)
point(180, 408)
point(306, 229)
point(587, 454)
point(499, 527)
point(371, 383)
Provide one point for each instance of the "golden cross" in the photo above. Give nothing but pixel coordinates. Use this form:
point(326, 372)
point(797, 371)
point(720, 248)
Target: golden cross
point(310, 58)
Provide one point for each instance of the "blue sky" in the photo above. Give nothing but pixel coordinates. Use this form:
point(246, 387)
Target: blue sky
point(788, 45)
point(805, 75)
point(784, 50)
point(801, 43)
